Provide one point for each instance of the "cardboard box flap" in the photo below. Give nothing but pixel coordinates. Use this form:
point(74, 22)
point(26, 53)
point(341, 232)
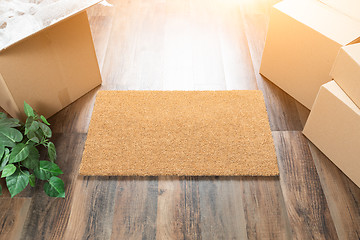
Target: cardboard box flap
point(334, 88)
point(354, 52)
point(82, 5)
point(323, 19)
point(346, 71)
point(350, 8)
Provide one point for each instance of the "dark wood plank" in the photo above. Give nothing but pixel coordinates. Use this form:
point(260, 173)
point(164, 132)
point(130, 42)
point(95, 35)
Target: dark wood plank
point(192, 214)
point(12, 216)
point(92, 209)
point(135, 208)
point(264, 208)
point(178, 215)
point(48, 217)
point(303, 113)
point(221, 208)
point(306, 205)
point(342, 195)
point(169, 224)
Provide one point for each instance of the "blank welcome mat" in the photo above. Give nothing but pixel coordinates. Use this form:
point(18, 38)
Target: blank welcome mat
point(198, 133)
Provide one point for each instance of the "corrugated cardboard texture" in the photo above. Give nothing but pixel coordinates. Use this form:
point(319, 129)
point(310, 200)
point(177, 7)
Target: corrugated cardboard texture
point(195, 133)
point(51, 69)
point(346, 71)
point(334, 127)
point(302, 43)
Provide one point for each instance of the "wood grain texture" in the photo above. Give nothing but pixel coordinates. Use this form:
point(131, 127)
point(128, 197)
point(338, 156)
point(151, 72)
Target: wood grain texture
point(264, 208)
point(221, 208)
point(178, 210)
point(303, 113)
point(208, 70)
point(236, 57)
point(135, 208)
point(75, 118)
point(135, 46)
point(306, 205)
point(191, 208)
point(93, 208)
point(48, 217)
point(12, 217)
point(343, 196)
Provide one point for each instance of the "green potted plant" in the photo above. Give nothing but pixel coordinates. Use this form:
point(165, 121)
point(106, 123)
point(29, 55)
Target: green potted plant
point(20, 162)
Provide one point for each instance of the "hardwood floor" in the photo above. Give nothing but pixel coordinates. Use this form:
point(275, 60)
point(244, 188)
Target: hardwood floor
point(187, 45)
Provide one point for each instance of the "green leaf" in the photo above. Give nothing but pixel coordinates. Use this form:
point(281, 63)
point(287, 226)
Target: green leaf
point(28, 123)
point(32, 180)
point(46, 130)
point(10, 136)
point(2, 151)
point(44, 120)
point(52, 151)
point(31, 125)
point(9, 122)
point(3, 115)
point(28, 110)
point(5, 159)
point(40, 134)
point(32, 161)
point(17, 181)
point(47, 170)
point(33, 137)
point(19, 153)
point(55, 187)
point(8, 170)
point(34, 126)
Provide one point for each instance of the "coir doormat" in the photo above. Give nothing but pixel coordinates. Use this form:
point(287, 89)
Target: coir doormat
point(184, 133)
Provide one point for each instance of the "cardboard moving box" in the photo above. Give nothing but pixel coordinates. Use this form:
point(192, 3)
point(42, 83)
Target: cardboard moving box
point(302, 43)
point(334, 127)
point(49, 69)
point(346, 71)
